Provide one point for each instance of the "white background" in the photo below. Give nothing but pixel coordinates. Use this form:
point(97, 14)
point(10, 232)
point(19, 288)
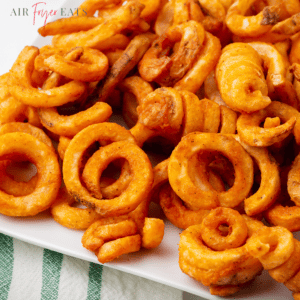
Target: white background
point(19, 31)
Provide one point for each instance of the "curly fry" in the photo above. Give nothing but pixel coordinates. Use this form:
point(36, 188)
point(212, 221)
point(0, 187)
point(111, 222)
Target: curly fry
point(241, 79)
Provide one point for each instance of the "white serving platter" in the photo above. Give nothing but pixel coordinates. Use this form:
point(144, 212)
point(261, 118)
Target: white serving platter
point(160, 264)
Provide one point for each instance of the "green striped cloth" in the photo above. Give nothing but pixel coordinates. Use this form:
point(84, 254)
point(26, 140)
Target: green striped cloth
point(28, 272)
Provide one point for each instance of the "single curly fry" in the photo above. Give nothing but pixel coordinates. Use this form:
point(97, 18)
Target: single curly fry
point(251, 26)
point(92, 66)
point(279, 86)
point(237, 229)
point(241, 79)
point(269, 188)
point(70, 125)
point(49, 177)
point(180, 164)
point(153, 233)
point(203, 65)
point(176, 212)
point(271, 245)
point(70, 25)
point(91, 177)
point(72, 159)
point(94, 37)
point(69, 216)
point(250, 132)
point(113, 249)
point(137, 188)
point(156, 63)
point(284, 216)
point(20, 84)
point(98, 233)
point(217, 268)
point(288, 269)
point(7, 183)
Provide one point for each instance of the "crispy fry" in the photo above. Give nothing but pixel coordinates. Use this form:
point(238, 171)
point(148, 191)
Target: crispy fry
point(251, 26)
point(94, 37)
point(20, 84)
point(179, 165)
point(49, 180)
point(250, 132)
point(241, 79)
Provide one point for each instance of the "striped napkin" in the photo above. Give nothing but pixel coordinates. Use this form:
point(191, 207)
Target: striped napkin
point(28, 272)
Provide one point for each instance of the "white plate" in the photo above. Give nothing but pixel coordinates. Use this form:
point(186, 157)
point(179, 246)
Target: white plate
point(160, 264)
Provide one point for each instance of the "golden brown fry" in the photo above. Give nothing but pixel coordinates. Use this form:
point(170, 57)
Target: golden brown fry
point(237, 229)
point(176, 212)
point(94, 37)
point(251, 26)
point(217, 268)
point(153, 233)
point(125, 202)
point(284, 216)
point(49, 179)
point(241, 79)
point(269, 188)
point(278, 83)
point(113, 249)
point(92, 66)
point(273, 246)
point(70, 216)
point(289, 26)
point(250, 132)
point(185, 188)
point(20, 84)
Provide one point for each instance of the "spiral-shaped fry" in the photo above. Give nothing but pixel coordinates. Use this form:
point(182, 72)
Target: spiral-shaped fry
point(250, 132)
point(181, 162)
point(241, 80)
point(219, 269)
point(141, 169)
point(21, 88)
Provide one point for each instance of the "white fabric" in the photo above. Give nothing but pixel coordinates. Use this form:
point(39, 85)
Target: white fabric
point(74, 276)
